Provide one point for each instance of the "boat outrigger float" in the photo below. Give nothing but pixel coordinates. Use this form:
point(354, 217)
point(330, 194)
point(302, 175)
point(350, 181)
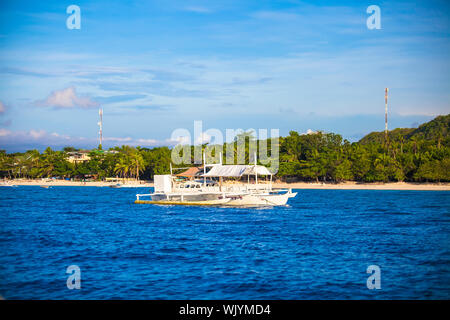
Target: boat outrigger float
point(217, 185)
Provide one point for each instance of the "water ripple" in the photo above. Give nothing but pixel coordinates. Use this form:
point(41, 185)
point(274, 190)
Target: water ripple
point(319, 247)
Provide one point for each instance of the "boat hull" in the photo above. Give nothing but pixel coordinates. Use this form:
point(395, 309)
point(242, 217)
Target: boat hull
point(261, 200)
point(187, 197)
point(217, 202)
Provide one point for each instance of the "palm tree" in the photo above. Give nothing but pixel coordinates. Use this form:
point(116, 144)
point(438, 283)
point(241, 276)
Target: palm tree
point(22, 165)
point(401, 139)
point(414, 141)
point(122, 167)
point(47, 163)
point(137, 163)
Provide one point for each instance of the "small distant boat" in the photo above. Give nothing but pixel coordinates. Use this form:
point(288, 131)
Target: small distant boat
point(45, 187)
point(8, 185)
point(118, 185)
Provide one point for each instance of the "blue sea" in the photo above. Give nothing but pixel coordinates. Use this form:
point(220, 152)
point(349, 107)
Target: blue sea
point(319, 247)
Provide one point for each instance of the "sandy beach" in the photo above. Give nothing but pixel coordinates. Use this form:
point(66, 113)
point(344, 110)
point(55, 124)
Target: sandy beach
point(65, 183)
point(367, 186)
point(296, 185)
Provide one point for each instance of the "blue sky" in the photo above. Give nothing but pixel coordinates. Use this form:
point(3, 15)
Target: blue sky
point(155, 66)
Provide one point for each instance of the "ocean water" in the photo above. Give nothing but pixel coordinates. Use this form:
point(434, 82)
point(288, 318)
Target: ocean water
point(319, 247)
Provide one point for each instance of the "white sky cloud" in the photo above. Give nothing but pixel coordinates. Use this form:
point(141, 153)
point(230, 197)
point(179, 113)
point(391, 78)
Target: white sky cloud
point(67, 98)
point(4, 132)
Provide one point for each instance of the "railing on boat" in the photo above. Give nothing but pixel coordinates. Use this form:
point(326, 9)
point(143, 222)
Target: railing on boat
point(142, 195)
point(230, 188)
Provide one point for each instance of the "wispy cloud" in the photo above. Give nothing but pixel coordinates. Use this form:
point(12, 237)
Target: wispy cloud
point(127, 110)
point(249, 81)
point(18, 141)
point(135, 142)
point(119, 98)
point(67, 98)
point(197, 9)
point(14, 141)
point(2, 108)
point(160, 88)
point(23, 72)
point(275, 15)
point(149, 107)
point(6, 123)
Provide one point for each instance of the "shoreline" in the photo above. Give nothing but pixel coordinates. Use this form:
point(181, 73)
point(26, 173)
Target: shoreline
point(65, 183)
point(294, 185)
point(367, 186)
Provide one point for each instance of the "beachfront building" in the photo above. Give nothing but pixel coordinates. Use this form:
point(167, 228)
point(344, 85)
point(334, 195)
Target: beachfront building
point(78, 156)
point(83, 155)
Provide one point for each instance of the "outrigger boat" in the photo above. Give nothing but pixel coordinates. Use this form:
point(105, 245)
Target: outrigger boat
point(219, 186)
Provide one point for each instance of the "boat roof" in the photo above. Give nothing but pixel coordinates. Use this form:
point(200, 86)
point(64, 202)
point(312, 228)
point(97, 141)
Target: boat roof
point(236, 171)
point(191, 172)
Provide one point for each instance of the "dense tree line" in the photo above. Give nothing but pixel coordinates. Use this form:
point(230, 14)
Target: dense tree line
point(122, 162)
point(421, 155)
point(326, 157)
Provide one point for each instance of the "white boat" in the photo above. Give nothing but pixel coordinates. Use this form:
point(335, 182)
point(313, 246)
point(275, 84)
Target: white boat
point(6, 184)
point(124, 185)
point(212, 188)
point(117, 185)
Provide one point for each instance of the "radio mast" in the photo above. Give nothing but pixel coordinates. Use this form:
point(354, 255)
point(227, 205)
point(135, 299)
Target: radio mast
point(386, 114)
point(100, 125)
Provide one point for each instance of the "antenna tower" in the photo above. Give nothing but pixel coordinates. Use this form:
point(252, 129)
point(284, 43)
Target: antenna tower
point(386, 114)
point(100, 125)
